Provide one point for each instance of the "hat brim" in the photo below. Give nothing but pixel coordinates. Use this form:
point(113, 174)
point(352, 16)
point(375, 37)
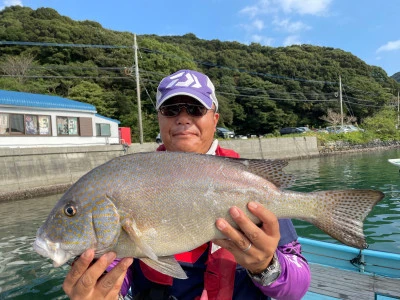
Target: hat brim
point(205, 101)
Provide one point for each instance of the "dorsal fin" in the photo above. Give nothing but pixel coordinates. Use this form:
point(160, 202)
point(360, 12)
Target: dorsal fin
point(270, 169)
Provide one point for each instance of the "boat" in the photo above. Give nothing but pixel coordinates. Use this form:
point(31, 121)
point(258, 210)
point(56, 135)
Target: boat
point(343, 272)
point(395, 161)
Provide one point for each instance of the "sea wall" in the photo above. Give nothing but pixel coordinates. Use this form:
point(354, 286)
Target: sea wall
point(31, 172)
point(274, 148)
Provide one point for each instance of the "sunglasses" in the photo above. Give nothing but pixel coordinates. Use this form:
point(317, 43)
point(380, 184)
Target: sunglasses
point(193, 110)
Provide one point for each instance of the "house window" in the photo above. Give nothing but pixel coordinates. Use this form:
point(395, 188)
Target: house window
point(103, 129)
point(73, 126)
point(31, 125)
point(17, 124)
point(3, 124)
point(67, 126)
point(44, 125)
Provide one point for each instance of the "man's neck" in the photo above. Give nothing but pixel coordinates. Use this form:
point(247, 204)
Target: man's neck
point(213, 147)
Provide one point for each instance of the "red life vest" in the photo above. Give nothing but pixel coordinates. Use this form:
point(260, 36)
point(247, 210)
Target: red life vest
point(219, 277)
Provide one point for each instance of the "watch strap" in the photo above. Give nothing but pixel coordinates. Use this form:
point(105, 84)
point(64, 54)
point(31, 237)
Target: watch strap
point(270, 274)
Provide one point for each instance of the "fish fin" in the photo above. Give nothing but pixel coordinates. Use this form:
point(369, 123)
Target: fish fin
point(270, 169)
point(341, 214)
point(166, 265)
point(134, 233)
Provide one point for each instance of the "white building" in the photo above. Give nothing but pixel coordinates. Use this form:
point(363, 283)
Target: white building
point(32, 120)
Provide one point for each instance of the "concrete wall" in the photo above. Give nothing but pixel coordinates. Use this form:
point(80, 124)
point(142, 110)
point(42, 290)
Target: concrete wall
point(27, 172)
point(274, 148)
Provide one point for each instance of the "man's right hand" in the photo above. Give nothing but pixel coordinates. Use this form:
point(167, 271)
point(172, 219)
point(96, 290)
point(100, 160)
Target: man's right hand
point(85, 281)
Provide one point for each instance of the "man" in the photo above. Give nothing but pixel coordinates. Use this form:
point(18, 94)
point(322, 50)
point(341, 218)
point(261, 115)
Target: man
point(255, 262)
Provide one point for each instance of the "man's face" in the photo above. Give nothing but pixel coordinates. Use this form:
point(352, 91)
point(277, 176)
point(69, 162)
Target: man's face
point(185, 132)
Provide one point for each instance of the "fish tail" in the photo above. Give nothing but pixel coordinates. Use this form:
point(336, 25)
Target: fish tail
point(341, 214)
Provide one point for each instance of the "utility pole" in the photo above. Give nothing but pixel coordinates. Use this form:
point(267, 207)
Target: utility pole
point(138, 92)
point(398, 111)
point(341, 99)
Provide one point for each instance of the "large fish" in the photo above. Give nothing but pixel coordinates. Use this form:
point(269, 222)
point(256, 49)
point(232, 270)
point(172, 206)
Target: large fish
point(153, 205)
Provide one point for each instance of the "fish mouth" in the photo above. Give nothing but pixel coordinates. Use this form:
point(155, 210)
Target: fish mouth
point(51, 250)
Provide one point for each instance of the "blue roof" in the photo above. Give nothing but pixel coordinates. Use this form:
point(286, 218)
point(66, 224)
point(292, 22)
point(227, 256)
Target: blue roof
point(11, 98)
point(109, 119)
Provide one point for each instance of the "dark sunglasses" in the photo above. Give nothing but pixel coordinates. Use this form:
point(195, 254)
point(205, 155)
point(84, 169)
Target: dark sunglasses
point(173, 110)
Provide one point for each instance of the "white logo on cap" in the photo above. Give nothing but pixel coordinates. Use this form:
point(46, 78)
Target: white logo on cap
point(189, 80)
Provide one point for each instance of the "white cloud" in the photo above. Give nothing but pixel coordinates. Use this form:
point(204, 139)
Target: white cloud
point(263, 40)
point(6, 3)
point(291, 27)
point(305, 7)
point(262, 7)
point(258, 24)
point(390, 46)
point(302, 7)
point(292, 40)
point(277, 15)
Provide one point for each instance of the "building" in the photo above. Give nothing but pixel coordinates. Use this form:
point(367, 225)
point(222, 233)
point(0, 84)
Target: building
point(33, 120)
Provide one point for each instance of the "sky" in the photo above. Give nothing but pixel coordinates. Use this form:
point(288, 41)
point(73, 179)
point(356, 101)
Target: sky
point(369, 29)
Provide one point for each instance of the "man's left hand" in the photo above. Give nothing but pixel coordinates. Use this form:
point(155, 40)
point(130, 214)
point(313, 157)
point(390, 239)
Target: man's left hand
point(252, 246)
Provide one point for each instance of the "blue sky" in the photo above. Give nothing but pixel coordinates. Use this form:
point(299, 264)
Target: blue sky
point(368, 29)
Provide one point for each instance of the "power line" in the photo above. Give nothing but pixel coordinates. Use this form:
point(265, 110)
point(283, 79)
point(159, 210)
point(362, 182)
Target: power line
point(63, 45)
point(68, 77)
point(222, 93)
point(147, 50)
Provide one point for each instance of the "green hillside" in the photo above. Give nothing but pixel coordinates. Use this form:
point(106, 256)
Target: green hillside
point(396, 76)
point(260, 88)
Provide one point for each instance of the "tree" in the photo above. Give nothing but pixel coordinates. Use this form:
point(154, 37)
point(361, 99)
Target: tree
point(332, 117)
point(384, 123)
point(89, 92)
point(17, 66)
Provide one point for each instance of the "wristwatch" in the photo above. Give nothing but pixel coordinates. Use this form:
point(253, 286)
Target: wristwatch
point(269, 275)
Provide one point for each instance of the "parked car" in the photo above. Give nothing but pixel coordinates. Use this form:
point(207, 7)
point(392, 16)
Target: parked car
point(225, 133)
point(158, 138)
point(321, 130)
point(337, 129)
point(304, 129)
point(289, 130)
point(353, 128)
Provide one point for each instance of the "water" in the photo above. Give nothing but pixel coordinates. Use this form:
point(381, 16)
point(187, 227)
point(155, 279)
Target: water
point(26, 275)
point(23, 273)
point(368, 170)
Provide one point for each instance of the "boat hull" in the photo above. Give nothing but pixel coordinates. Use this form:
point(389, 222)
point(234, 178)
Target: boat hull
point(395, 161)
point(342, 272)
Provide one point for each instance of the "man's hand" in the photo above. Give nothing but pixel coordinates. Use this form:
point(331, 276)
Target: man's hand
point(253, 247)
point(85, 281)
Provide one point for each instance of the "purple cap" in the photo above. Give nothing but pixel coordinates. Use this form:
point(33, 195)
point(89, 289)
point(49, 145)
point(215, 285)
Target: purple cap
point(189, 83)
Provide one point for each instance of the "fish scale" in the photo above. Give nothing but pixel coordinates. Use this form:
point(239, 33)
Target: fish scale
point(154, 205)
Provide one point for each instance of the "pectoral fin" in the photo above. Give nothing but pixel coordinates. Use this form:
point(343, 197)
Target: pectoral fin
point(135, 234)
point(166, 265)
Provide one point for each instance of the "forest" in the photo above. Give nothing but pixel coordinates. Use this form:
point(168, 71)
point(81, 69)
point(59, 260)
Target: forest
point(260, 89)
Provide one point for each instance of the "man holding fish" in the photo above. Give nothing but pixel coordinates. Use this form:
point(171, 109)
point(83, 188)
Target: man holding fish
point(251, 262)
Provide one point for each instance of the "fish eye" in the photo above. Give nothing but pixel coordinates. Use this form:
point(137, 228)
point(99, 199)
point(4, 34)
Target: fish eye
point(69, 210)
